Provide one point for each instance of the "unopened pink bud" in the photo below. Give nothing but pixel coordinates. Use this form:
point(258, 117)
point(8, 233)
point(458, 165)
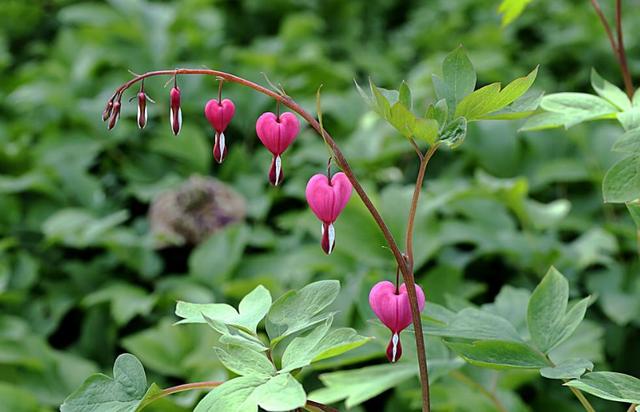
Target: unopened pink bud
point(392, 307)
point(327, 198)
point(106, 113)
point(176, 111)
point(276, 133)
point(115, 115)
point(142, 110)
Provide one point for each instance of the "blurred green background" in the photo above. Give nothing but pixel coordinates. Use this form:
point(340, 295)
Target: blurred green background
point(82, 276)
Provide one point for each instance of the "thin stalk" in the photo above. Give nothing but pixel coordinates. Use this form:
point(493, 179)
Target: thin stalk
point(406, 271)
point(616, 46)
point(632, 408)
point(424, 161)
point(475, 385)
point(179, 388)
point(578, 394)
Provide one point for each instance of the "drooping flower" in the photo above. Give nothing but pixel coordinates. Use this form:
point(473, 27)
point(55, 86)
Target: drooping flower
point(106, 113)
point(327, 198)
point(175, 111)
point(219, 114)
point(276, 133)
point(142, 109)
point(391, 306)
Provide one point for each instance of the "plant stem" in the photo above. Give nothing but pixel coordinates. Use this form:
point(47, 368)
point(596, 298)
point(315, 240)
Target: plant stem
point(475, 385)
point(632, 408)
point(617, 47)
point(406, 271)
point(583, 400)
point(179, 388)
point(424, 161)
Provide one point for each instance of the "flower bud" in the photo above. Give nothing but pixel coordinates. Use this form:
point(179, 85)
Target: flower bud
point(142, 109)
point(106, 113)
point(115, 115)
point(176, 111)
point(219, 115)
point(391, 305)
point(327, 198)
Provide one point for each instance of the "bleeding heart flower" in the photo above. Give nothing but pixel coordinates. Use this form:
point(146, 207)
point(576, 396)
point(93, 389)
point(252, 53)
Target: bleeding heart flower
point(176, 112)
point(391, 306)
point(327, 198)
point(142, 109)
point(219, 115)
point(276, 133)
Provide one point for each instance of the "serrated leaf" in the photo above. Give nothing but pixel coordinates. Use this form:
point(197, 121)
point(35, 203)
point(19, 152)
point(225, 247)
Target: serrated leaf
point(609, 91)
point(548, 320)
point(612, 386)
point(568, 369)
point(101, 393)
point(499, 354)
point(243, 361)
point(246, 393)
point(298, 310)
point(578, 107)
point(622, 182)
point(454, 133)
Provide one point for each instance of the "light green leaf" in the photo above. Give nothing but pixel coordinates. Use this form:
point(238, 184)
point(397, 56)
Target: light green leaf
point(634, 211)
point(524, 106)
point(337, 342)
point(459, 78)
point(545, 120)
point(243, 361)
point(622, 182)
point(629, 119)
point(454, 133)
point(438, 112)
point(253, 308)
point(196, 312)
point(246, 393)
point(578, 107)
point(511, 10)
point(547, 317)
point(609, 91)
point(425, 130)
point(569, 369)
point(298, 310)
point(499, 354)
point(609, 385)
point(125, 301)
point(405, 95)
point(80, 228)
point(628, 142)
point(359, 385)
point(101, 393)
point(476, 324)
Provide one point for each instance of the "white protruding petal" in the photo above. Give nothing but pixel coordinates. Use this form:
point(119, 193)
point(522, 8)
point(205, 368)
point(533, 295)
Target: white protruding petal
point(394, 351)
point(322, 228)
point(138, 118)
point(278, 169)
point(171, 117)
point(179, 119)
point(222, 143)
point(332, 237)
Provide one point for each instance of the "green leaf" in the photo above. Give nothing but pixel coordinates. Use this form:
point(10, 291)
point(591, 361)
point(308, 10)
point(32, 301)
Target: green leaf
point(425, 130)
point(125, 300)
point(405, 95)
point(609, 385)
point(578, 107)
point(79, 228)
point(609, 91)
point(216, 258)
point(568, 369)
point(459, 78)
point(438, 112)
point(545, 120)
point(320, 344)
point(253, 308)
point(511, 10)
point(297, 310)
point(628, 142)
point(359, 385)
point(622, 182)
point(524, 106)
point(547, 317)
point(454, 133)
point(491, 98)
point(243, 361)
point(629, 119)
point(634, 211)
point(499, 354)
point(101, 393)
point(246, 393)
point(476, 324)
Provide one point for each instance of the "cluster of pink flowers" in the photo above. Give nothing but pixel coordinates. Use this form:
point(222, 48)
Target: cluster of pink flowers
point(326, 195)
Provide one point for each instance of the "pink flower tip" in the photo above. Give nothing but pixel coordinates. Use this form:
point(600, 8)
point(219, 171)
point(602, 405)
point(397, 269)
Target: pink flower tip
point(392, 307)
point(327, 198)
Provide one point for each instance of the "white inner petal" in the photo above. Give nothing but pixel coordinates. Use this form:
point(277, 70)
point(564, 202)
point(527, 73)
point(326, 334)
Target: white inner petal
point(278, 168)
point(179, 119)
point(394, 351)
point(222, 144)
point(332, 237)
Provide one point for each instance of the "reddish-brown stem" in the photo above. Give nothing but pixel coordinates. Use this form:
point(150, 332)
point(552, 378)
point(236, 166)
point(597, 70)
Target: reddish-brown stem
point(424, 161)
point(617, 47)
point(407, 274)
point(179, 388)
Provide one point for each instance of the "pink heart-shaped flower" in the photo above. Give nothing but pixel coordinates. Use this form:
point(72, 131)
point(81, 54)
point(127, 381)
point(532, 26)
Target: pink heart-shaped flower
point(327, 198)
point(219, 114)
point(392, 307)
point(277, 133)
